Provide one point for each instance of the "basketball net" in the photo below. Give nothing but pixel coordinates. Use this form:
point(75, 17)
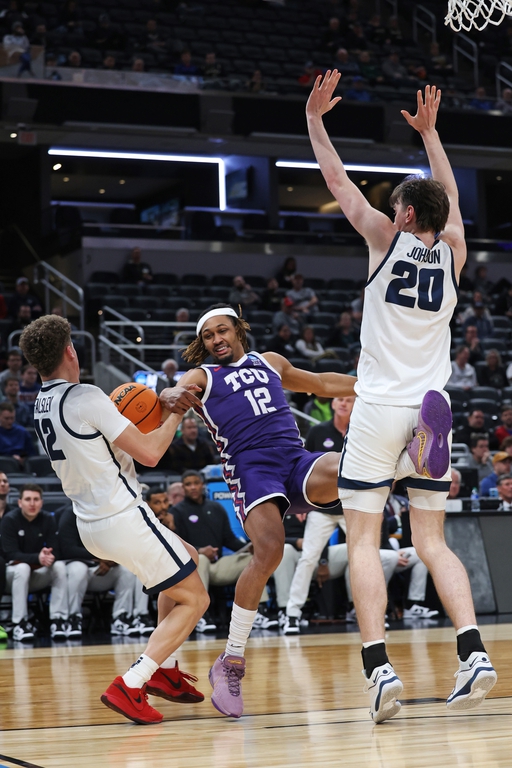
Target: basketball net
point(476, 14)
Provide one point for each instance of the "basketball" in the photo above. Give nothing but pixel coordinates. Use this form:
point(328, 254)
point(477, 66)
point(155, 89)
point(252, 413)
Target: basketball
point(139, 404)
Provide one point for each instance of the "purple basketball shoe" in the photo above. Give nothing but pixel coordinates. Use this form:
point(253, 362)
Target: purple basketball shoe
point(429, 449)
point(226, 680)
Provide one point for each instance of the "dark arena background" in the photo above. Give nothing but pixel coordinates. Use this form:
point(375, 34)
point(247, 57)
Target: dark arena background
point(155, 160)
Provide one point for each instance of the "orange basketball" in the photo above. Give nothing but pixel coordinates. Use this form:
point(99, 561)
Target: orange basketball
point(139, 404)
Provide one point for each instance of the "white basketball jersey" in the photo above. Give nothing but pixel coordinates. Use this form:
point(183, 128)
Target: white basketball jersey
point(77, 424)
point(405, 333)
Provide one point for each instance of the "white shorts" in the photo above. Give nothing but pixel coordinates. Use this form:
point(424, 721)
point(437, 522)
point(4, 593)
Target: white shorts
point(376, 437)
point(138, 540)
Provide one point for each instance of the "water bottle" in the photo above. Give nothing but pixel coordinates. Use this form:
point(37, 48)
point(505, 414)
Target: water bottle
point(493, 493)
point(475, 500)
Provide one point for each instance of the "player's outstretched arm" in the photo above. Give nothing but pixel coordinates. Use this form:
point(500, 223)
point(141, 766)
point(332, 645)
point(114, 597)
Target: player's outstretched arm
point(321, 384)
point(424, 121)
point(373, 225)
point(149, 449)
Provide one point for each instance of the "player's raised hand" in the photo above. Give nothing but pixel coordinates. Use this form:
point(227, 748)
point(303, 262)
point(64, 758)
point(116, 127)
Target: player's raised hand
point(320, 99)
point(180, 399)
point(426, 115)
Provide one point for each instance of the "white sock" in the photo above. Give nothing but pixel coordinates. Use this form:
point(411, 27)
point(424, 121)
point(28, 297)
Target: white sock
point(170, 662)
point(373, 642)
point(140, 672)
point(405, 466)
point(239, 630)
point(466, 629)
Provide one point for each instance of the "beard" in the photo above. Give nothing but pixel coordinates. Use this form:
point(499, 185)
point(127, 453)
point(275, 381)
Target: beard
point(224, 361)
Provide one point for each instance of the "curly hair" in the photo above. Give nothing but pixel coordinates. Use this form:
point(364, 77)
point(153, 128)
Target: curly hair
point(196, 352)
point(43, 342)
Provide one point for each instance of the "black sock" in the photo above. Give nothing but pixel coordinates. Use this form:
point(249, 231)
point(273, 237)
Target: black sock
point(468, 643)
point(410, 603)
point(374, 656)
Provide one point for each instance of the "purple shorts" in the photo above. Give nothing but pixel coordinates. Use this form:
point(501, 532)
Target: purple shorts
point(279, 473)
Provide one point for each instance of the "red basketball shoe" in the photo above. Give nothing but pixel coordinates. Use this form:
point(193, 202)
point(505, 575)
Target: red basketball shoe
point(172, 684)
point(130, 702)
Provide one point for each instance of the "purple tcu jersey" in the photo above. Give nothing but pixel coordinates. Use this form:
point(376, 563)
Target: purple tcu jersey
point(244, 407)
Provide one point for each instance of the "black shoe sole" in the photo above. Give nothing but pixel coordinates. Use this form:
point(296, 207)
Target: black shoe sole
point(183, 698)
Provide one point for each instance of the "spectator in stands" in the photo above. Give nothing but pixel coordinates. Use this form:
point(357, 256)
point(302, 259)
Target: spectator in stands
point(304, 299)
point(169, 369)
point(330, 435)
point(154, 41)
point(17, 42)
point(369, 69)
point(463, 374)
point(505, 492)
point(74, 60)
point(309, 74)
point(15, 441)
point(137, 271)
point(106, 36)
point(4, 493)
point(395, 37)
point(138, 65)
point(285, 275)
point(494, 374)
point(345, 333)
point(39, 36)
point(29, 540)
point(358, 91)
point(255, 84)
point(205, 525)
point(482, 283)
point(319, 408)
point(501, 462)
point(13, 13)
point(357, 307)
point(70, 18)
point(455, 484)
point(475, 424)
point(175, 493)
point(185, 67)
point(476, 298)
point(29, 387)
point(158, 500)
point(484, 325)
point(332, 35)
point(109, 62)
point(506, 445)
point(454, 100)
point(242, 294)
point(24, 295)
point(271, 298)
point(288, 315)
point(14, 365)
point(23, 417)
point(504, 104)
point(355, 39)
point(504, 303)
point(345, 64)
point(188, 451)
point(87, 573)
point(212, 69)
point(438, 63)
point(308, 346)
point(480, 458)
point(505, 429)
point(23, 318)
point(480, 100)
point(376, 32)
point(281, 342)
point(395, 72)
point(472, 342)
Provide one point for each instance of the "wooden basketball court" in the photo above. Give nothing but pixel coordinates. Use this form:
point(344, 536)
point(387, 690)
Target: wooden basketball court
point(304, 706)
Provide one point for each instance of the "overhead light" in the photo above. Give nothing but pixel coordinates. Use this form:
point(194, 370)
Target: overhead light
point(289, 189)
point(57, 166)
point(498, 178)
point(122, 181)
point(348, 167)
point(66, 178)
point(364, 182)
point(163, 158)
point(101, 191)
point(14, 136)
